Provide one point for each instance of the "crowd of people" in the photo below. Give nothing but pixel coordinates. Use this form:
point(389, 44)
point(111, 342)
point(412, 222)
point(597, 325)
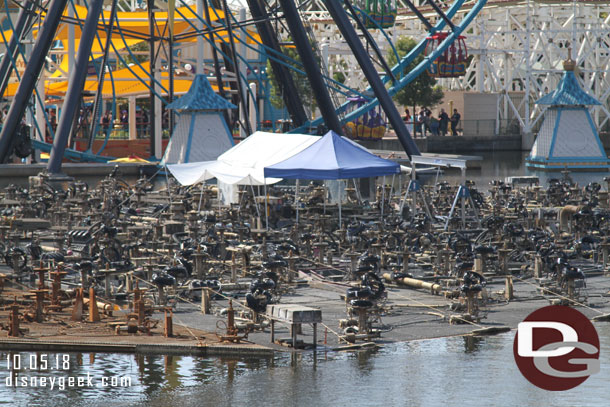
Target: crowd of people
point(424, 123)
point(121, 122)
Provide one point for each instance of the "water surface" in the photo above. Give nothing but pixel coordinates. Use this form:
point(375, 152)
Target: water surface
point(446, 371)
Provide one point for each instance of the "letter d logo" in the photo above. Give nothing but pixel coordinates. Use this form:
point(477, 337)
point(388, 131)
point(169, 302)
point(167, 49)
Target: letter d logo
point(556, 348)
point(526, 338)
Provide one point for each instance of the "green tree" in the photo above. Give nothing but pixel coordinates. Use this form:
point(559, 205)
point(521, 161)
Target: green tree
point(422, 90)
point(339, 77)
point(140, 51)
point(301, 82)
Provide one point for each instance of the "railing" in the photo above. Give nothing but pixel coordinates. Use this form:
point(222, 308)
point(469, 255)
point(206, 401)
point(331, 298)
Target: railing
point(473, 128)
point(120, 132)
point(489, 127)
point(509, 126)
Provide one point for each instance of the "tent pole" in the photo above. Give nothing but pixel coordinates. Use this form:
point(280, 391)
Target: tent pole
point(340, 196)
point(357, 190)
point(258, 212)
point(266, 207)
point(382, 196)
point(413, 181)
point(240, 198)
point(200, 197)
point(404, 198)
point(391, 188)
point(169, 192)
point(400, 184)
point(296, 199)
point(325, 193)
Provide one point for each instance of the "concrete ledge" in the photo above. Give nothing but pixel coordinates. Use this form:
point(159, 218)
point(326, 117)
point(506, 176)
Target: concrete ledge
point(72, 169)
point(467, 143)
point(450, 144)
point(17, 344)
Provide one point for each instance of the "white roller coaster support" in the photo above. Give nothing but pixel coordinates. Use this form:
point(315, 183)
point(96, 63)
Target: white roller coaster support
point(241, 68)
point(40, 135)
point(252, 106)
point(528, 140)
point(158, 108)
point(133, 130)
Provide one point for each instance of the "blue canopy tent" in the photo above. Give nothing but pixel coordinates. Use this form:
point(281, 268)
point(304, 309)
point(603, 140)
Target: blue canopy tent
point(332, 158)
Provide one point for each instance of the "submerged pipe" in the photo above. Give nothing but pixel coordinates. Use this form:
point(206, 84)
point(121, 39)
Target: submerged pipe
point(415, 283)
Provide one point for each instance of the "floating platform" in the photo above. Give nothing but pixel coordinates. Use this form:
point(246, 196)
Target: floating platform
point(540, 164)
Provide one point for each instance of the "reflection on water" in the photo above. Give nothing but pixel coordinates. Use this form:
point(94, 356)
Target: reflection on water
point(446, 371)
point(502, 164)
point(472, 343)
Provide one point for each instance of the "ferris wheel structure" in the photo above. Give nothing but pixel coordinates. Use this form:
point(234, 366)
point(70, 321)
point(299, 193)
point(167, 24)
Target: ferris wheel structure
point(229, 35)
point(517, 49)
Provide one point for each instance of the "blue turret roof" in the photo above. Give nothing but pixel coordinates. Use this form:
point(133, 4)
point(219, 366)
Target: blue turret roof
point(568, 93)
point(201, 96)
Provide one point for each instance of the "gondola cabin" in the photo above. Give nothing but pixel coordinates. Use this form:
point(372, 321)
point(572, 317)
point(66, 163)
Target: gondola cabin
point(377, 13)
point(452, 62)
point(370, 126)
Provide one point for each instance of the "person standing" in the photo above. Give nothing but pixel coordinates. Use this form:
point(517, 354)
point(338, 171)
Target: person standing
point(125, 120)
point(417, 123)
point(426, 121)
point(455, 120)
point(106, 121)
point(443, 119)
point(407, 119)
point(53, 120)
point(434, 125)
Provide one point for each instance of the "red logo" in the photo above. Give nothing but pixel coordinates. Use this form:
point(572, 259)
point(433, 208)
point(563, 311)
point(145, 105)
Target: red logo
point(556, 348)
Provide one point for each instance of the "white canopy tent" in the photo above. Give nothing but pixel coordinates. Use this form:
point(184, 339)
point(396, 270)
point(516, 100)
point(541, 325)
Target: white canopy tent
point(244, 163)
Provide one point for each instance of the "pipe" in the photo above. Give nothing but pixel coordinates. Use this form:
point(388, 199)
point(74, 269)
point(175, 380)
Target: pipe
point(415, 283)
point(565, 216)
point(104, 307)
point(30, 76)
